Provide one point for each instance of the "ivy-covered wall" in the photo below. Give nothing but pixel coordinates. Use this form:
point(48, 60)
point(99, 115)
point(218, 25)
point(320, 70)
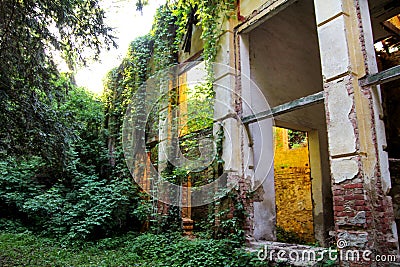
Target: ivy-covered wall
point(174, 25)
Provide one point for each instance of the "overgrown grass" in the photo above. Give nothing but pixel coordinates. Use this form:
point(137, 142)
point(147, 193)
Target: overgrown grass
point(128, 250)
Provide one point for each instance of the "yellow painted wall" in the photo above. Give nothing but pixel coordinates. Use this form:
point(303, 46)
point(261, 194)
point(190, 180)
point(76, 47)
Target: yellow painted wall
point(252, 7)
point(249, 6)
point(294, 210)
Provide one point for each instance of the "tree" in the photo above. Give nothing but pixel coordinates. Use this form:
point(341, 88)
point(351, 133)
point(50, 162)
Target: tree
point(31, 34)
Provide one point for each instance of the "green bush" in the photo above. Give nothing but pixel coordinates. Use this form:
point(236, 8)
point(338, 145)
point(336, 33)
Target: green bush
point(127, 250)
point(18, 183)
point(94, 208)
point(83, 199)
point(89, 207)
point(17, 180)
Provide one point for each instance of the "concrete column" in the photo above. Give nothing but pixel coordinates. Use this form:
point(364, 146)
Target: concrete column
point(257, 152)
point(225, 111)
point(225, 97)
point(362, 212)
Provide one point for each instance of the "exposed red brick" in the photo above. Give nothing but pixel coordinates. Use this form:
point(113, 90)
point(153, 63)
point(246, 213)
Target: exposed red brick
point(338, 198)
point(359, 202)
point(358, 185)
point(338, 208)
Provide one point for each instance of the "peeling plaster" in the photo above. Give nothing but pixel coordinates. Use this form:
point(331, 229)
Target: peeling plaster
point(344, 169)
point(342, 139)
point(359, 239)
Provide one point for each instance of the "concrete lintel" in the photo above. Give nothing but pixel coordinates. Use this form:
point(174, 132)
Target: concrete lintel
point(287, 107)
point(381, 77)
point(268, 10)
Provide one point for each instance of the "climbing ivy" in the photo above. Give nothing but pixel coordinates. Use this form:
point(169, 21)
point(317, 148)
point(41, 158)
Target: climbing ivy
point(164, 33)
point(146, 55)
point(158, 51)
point(210, 14)
point(120, 85)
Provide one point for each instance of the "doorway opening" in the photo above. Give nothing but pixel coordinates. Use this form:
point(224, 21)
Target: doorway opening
point(288, 76)
point(293, 188)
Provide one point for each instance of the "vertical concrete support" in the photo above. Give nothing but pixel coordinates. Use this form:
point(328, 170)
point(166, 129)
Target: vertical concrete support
point(225, 112)
point(317, 186)
point(165, 122)
point(362, 212)
point(257, 151)
point(241, 161)
point(224, 109)
point(264, 221)
point(371, 67)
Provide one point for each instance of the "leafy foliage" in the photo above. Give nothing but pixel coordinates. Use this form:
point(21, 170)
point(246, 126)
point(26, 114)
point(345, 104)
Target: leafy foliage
point(18, 183)
point(225, 219)
point(297, 138)
point(210, 14)
point(154, 52)
point(63, 173)
point(146, 55)
point(93, 209)
point(120, 85)
point(32, 33)
point(128, 250)
point(164, 33)
point(81, 202)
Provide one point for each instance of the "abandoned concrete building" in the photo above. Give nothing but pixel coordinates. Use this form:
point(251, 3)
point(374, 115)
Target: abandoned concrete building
point(320, 74)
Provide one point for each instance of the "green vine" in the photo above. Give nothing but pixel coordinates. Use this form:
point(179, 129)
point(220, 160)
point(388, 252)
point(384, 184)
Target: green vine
point(155, 52)
point(163, 32)
point(210, 14)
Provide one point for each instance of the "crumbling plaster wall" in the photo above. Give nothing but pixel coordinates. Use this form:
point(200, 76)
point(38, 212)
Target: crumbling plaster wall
point(285, 64)
point(358, 164)
point(363, 213)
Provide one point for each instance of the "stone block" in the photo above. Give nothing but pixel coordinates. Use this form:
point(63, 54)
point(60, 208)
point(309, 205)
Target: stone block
point(341, 136)
point(359, 218)
point(326, 9)
point(353, 239)
point(343, 169)
point(333, 48)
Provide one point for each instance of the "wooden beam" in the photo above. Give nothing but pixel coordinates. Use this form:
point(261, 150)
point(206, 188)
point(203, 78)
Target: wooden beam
point(287, 107)
point(381, 77)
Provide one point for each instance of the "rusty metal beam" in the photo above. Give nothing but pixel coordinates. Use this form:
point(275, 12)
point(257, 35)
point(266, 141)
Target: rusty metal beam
point(287, 107)
point(381, 77)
